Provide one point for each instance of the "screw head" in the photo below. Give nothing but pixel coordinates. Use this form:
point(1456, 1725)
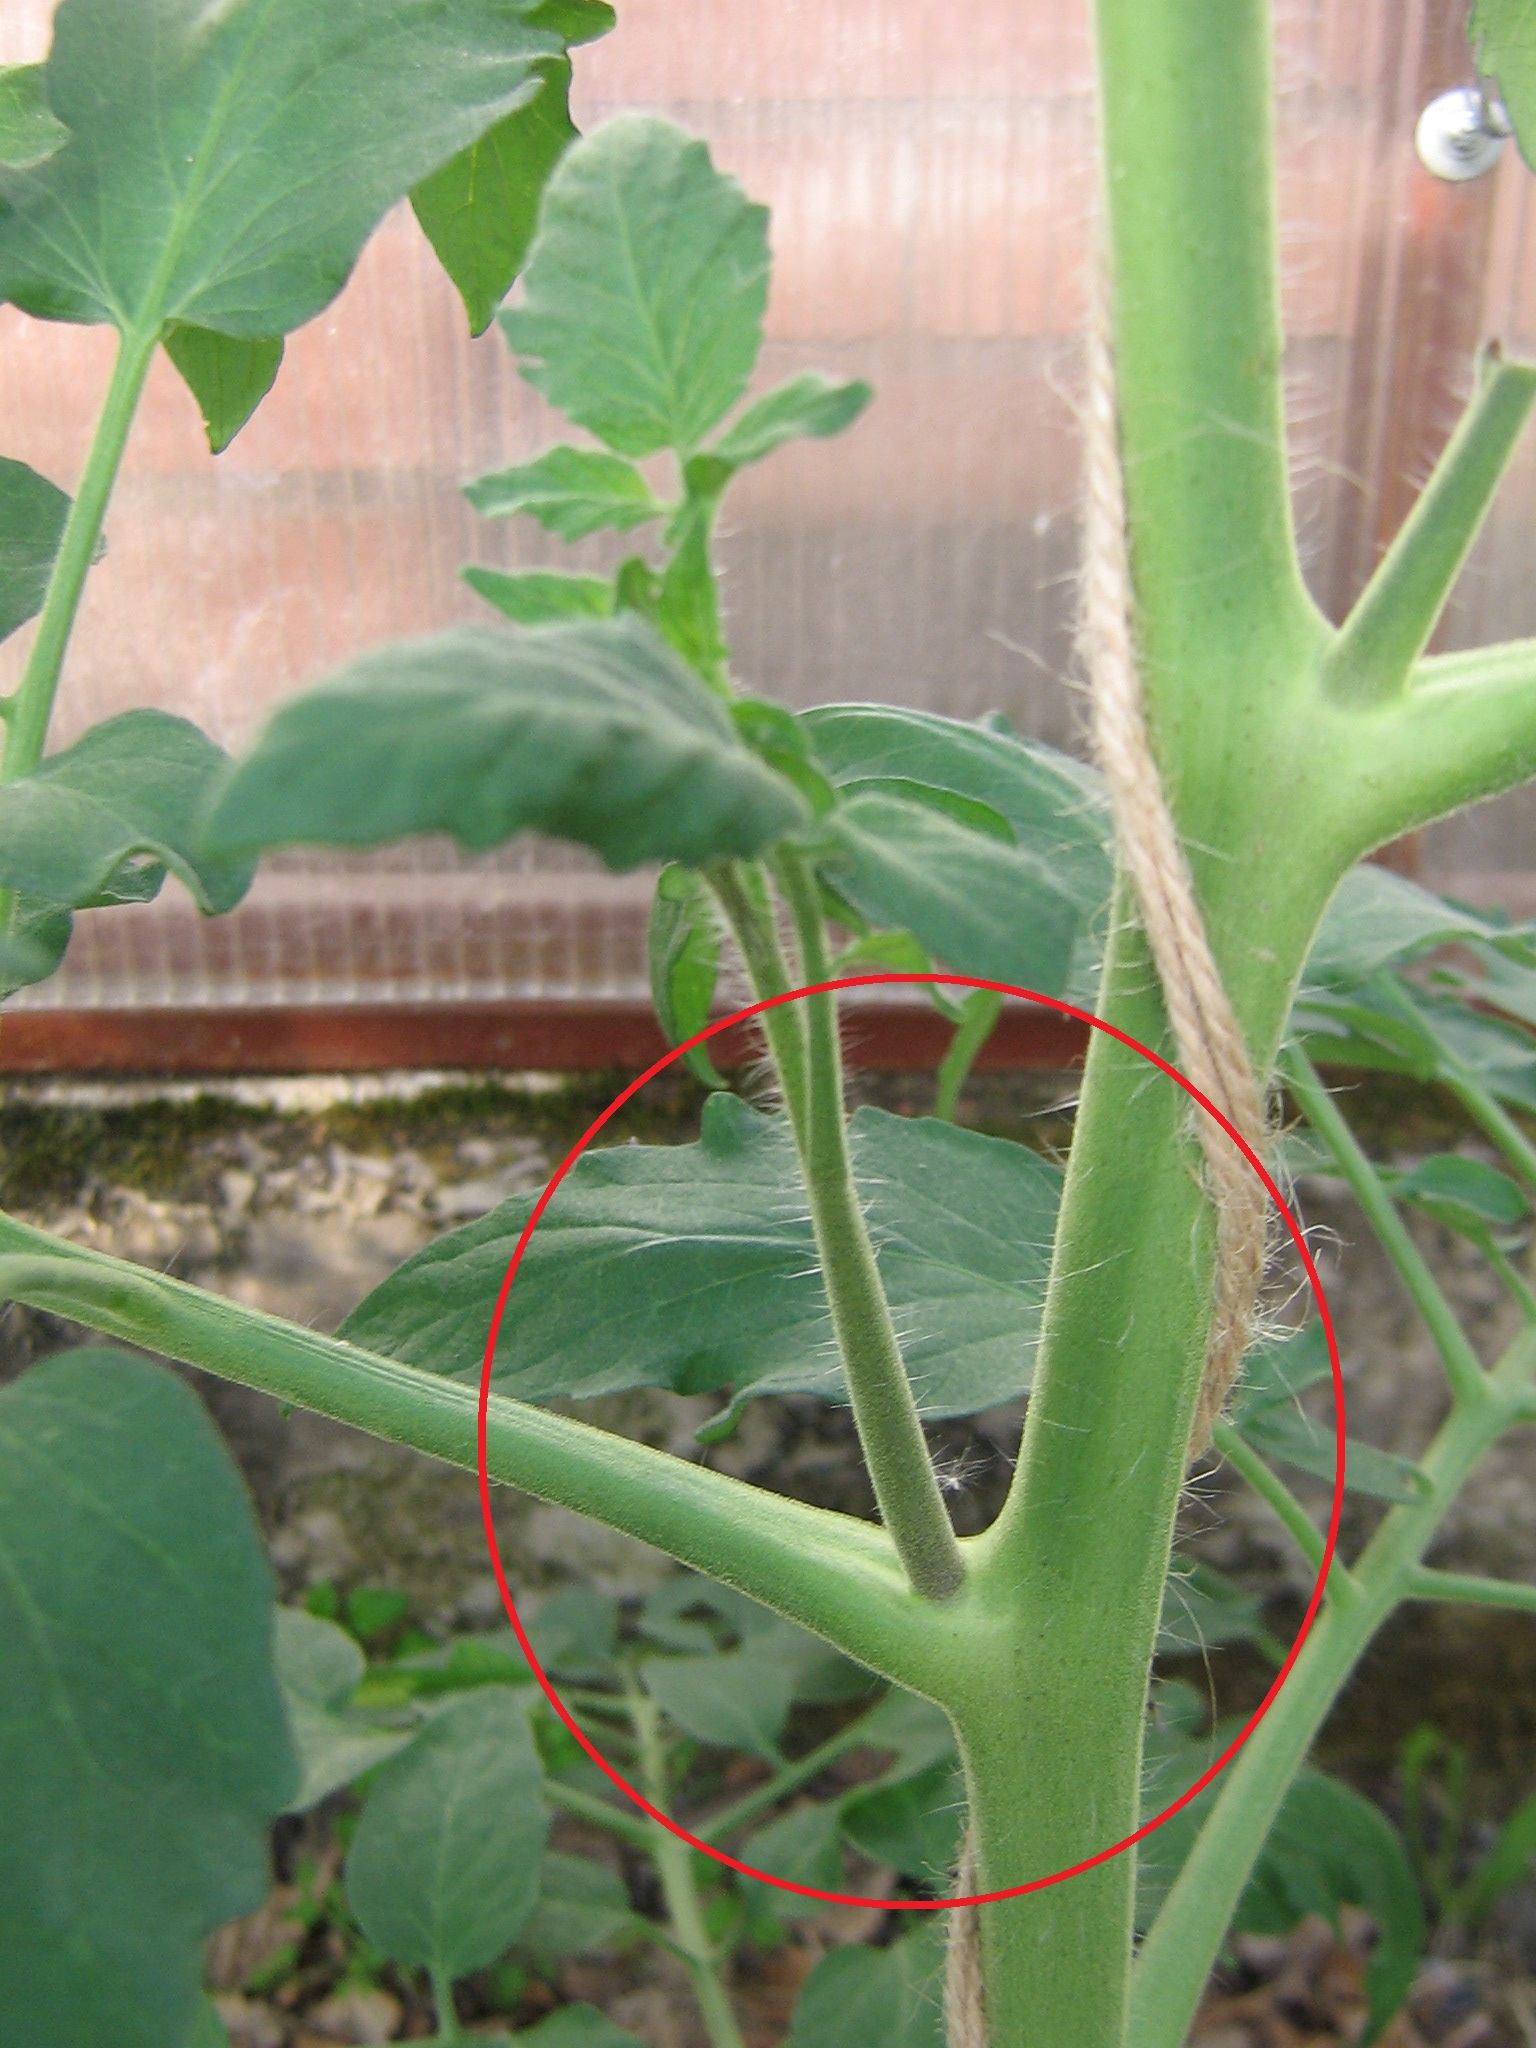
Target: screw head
point(1461, 134)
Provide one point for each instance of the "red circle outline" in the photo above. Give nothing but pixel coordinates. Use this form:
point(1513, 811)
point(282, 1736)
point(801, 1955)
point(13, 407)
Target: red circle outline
point(1314, 1281)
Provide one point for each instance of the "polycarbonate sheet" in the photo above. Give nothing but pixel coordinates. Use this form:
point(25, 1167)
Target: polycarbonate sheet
point(930, 173)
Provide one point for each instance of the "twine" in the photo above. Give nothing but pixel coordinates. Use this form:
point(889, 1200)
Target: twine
point(1212, 1052)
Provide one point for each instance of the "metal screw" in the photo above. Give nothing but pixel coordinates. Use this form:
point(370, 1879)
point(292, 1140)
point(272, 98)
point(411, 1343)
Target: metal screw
point(1461, 134)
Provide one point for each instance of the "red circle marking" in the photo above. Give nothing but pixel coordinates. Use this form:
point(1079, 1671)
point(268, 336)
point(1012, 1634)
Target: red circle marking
point(1294, 1231)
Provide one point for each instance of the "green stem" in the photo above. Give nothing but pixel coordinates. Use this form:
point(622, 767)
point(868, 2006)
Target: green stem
point(742, 896)
point(29, 710)
point(674, 1861)
point(1276, 1495)
point(1390, 626)
point(1463, 1368)
point(1178, 1954)
point(449, 2032)
point(621, 1822)
point(832, 1573)
point(1496, 1124)
point(884, 1411)
point(979, 1014)
point(1471, 1590)
point(788, 1778)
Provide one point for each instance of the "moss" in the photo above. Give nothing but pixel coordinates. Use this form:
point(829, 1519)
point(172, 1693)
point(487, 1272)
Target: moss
point(48, 1151)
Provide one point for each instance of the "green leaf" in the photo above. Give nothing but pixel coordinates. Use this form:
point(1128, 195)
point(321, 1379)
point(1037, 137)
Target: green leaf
point(914, 1825)
point(319, 1667)
point(1275, 1373)
point(1329, 1848)
point(542, 597)
point(226, 164)
point(30, 131)
point(136, 1613)
point(811, 405)
point(1203, 1609)
point(1379, 919)
point(1000, 912)
point(569, 491)
point(575, 1633)
point(104, 820)
point(914, 1731)
point(804, 1846)
point(480, 210)
point(1503, 34)
point(1286, 1436)
point(708, 1276)
point(683, 954)
point(444, 1867)
point(31, 951)
point(645, 288)
point(891, 1997)
point(688, 599)
point(32, 516)
point(577, 2026)
point(732, 1699)
point(1464, 1194)
point(582, 1905)
point(1505, 1868)
point(229, 375)
point(208, 2029)
point(592, 732)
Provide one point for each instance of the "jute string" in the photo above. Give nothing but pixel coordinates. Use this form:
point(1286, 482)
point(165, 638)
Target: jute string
point(1211, 1049)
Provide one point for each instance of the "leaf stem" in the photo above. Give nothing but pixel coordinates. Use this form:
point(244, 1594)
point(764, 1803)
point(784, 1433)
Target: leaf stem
point(834, 1574)
point(1496, 1123)
point(1471, 1589)
point(742, 896)
point(675, 1868)
point(31, 707)
point(1373, 656)
point(449, 2033)
point(1276, 1495)
point(788, 1778)
point(884, 1411)
point(601, 1813)
point(1463, 1368)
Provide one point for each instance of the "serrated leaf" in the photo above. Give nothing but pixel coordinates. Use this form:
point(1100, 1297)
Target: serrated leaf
point(1288, 1437)
point(591, 732)
point(229, 375)
point(480, 210)
point(733, 1699)
point(152, 1755)
point(444, 1867)
point(569, 491)
point(1379, 919)
point(683, 955)
point(892, 1997)
point(715, 1280)
point(914, 1825)
point(291, 131)
point(645, 288)
point(577, 2026)
point(1503, 35)
point(810, 405)
point(1202, 1610)
point(583, 1905)
point(104, 820)
point(319, 1667)
point(803, 1845)
point(32, 516)
point(983, 908)
point(541, 597)
point(1465, 1194)
point(30, 131)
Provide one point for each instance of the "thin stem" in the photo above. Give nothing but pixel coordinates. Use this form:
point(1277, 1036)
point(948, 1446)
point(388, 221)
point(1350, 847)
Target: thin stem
point(833, 1574)
point(1182, 1946)
point(1471, 1590)
point(884, 1411)
point(1390, 626)
point(1463, 1368)
point(618, 1821)
point(1513, 1280)
point(449, 2033)
point(742, 896)
point(788, 1778)
point(32, 706)
point(1274, 1492)
point(979, 1014)
point(674, 1861)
